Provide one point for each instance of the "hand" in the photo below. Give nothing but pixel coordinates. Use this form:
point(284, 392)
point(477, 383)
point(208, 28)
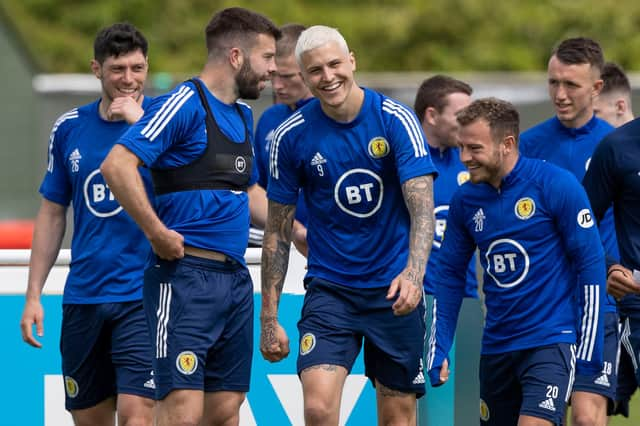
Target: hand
point(168, 244)
point(444, 372)
point(274, 343)
point(32, 314)
point(125, 108)
point(620, 282)
point(409, 291)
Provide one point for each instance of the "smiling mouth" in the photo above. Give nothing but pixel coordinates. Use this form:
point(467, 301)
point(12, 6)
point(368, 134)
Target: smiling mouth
point(332, 87)
point(128, 92)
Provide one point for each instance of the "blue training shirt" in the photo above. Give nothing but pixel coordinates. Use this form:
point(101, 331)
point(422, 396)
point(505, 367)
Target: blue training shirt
point(172, 133)
point(571, 149)
point(451, 174)
point(108, 250)
point(535, 234)
point(614, 178)
point(270, 119)
point(351, 175)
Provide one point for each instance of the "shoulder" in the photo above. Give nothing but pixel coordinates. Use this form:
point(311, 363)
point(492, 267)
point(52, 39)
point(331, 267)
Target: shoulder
point(601, 129)
point(549, 176)
point(393, 109)
point(274, 115)
point(292, 126)
point(183, 97)
point(540, 129)
point(629, 133)
point(73, 118)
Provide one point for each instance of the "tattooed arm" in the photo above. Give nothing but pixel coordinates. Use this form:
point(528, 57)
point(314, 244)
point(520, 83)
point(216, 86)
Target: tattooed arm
point(418, 196)
point(274, 343)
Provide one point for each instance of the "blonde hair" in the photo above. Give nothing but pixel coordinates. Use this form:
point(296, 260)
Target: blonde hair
point(316, 36)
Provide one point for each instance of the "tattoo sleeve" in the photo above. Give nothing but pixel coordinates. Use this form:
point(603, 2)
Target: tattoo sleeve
point(418, 196)
point(275, 257)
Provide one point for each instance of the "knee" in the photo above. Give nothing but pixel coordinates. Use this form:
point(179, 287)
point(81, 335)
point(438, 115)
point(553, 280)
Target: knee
point(135, 412)
point(136, 421)
point(584, 419)
point(317, 411)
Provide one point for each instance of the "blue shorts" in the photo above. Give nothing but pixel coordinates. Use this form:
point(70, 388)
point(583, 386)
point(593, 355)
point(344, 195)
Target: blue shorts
point(336, 319)
point(605, 382)
point(534, 382)
point(200, 314)
point(628, 363)
point(105, 351)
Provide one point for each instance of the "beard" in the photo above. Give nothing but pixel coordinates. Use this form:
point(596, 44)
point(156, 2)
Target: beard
point(248, 82)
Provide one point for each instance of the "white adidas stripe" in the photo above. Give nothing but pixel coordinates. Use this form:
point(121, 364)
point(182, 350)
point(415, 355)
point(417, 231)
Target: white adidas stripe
point(293, 121)
point(166, 113)
point(162, 315)
point(589, 322)
point(624, 339)
point(64, 117)
point(410, 124)
point(572, 374)
point(432, 337)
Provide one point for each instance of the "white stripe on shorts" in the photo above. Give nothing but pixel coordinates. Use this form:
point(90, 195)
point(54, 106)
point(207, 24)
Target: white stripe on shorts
point(162, 315)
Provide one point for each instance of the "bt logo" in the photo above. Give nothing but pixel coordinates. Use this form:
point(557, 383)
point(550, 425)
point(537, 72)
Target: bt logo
point(359, 193)
point(98, 198)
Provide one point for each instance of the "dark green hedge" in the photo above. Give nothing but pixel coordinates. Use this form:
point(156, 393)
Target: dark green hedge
point(390, 35)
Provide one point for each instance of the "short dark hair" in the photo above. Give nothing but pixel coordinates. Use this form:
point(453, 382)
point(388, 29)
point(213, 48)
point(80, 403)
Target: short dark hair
point(615, 80)
point(287, 44)
point(501, 116)
point(434, 91)
point(118, 39)
point(580, 50)
point(237, 23)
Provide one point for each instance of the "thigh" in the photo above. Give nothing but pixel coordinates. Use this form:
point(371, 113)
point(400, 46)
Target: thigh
point(500, 391)
point(85, 342)
point(394, 345)
point(131, 350)
point(185, 309)
point(605, 382)
point(546, 375)
point(328, 327)
point(228, 364)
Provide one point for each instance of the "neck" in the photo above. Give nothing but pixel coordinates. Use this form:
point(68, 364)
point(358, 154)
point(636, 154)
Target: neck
point(507, 167)
point(349, 109)
point(219, 83)
point(578, 122)
point(432, 140)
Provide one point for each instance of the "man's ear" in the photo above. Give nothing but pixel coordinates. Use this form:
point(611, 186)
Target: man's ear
point(236, 57)
point(597, 88)
point(621, 107)
point(509, 142)
point(430, 115)
point(96, 69)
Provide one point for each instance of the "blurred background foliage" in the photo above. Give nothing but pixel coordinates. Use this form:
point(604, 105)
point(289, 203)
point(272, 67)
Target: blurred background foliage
point(389, 35)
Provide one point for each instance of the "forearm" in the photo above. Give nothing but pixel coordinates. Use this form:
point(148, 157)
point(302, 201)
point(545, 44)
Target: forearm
point(47, 238)
point(592, 292)
point(418, 196)
point(257, 205)
point(120, 170)
point(275, 257)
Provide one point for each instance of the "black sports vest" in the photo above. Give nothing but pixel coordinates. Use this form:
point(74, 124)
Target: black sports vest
point(223, 165)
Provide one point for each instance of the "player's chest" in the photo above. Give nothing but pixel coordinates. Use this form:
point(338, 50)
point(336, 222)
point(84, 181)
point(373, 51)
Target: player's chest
point(521, 217)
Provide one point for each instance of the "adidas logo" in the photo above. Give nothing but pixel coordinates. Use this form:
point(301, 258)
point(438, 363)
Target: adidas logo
point(150, 384)
point(603, 381)
point(419, 380)
point(548, 405)
point(75, 155)
point(318, 159)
